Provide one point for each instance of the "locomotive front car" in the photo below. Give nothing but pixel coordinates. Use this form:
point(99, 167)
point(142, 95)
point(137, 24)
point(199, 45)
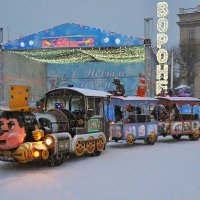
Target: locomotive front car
point(72, 124)
point(76, 122)
point(179, 116)
point(132, 119)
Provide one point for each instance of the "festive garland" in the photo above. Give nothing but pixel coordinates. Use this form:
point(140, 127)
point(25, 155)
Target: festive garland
point(120, 55)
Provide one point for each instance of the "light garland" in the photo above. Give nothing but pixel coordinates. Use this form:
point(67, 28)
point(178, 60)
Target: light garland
point(121, 55)
point(162, 73)
point(162, 25)
point(161, 39)
point(162, 9)
point(162, 54)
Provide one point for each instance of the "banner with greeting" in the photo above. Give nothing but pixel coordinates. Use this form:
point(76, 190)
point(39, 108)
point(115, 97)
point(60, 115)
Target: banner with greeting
point(96, 75)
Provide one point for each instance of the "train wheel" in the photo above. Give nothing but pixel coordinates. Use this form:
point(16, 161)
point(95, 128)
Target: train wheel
point(151, 139)
point(100, 143)
point(80, 147)
point(195, 135)
point(45, 154)
point(130, 139)
point(176, 137)
point(56, 160)
point(90, 145)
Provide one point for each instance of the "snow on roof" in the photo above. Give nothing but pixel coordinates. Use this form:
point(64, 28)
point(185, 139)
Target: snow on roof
point(122, 101)
point(134, 98)
point(85, 91)
point(179, 99)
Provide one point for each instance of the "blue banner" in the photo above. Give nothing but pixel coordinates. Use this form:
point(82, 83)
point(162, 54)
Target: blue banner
point(72, 35)
point(95, 75)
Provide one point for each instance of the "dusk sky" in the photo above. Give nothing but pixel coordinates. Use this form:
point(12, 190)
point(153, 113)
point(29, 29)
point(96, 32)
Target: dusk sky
point(25, 17)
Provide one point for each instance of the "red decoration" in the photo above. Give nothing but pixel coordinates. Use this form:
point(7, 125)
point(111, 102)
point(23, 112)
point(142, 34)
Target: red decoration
point(141, 90)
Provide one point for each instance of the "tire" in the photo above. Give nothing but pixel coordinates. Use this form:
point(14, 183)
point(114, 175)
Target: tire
point(100, 143)
point(56, 160)
point(80, 147)
point(194, 136)
point(151, 139)
point(90, 145)
point(130, 139)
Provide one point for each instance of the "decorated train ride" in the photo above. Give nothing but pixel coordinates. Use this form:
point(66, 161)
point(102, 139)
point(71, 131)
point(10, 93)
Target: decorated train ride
point(144, 118)
point(77, 122)
point(73, 123)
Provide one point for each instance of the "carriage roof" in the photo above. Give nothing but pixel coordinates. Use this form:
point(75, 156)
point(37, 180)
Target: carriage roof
point(135, 100)
point(83, 91)
point(179, 100)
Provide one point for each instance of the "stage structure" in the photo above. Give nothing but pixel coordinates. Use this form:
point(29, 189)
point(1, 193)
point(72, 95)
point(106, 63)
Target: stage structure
point(85, 57)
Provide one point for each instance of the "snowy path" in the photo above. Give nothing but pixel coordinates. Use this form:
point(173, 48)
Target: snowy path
point(167, 170)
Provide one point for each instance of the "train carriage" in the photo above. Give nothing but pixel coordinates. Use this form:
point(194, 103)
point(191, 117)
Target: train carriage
point(133, 120)
point(77, 121)
point(73, 123)
point(175, 121)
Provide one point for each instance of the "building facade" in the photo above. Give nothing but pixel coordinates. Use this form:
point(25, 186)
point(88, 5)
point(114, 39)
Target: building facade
point(189, 24)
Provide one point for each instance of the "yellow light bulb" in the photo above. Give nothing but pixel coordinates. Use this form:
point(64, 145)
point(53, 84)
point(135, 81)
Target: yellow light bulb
point(36, 154)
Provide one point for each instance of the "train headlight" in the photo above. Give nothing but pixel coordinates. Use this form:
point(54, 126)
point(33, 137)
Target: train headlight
point(36, 154)
point(49, 141)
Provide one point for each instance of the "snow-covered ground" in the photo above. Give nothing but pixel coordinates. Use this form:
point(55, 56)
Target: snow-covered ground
point(167, 170)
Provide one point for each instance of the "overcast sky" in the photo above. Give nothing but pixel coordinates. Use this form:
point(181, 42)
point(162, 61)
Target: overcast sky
point(24, 17)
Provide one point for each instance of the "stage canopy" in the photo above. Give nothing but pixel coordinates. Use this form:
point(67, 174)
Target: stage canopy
point(73, 43)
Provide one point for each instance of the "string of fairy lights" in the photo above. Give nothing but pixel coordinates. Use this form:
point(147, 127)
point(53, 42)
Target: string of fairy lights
point(60, 56)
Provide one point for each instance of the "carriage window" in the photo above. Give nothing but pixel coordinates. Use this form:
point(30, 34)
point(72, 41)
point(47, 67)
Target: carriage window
point(141, 109)
point(141, 113)
point(118, 113)
point(196, 112)
point(129, 114)
point(175, 113)
point(150, 108)
point(152, 112)
point(58, 105)
point(55, 102)
point(77, 103)
point(95, 104)
point(185, 109)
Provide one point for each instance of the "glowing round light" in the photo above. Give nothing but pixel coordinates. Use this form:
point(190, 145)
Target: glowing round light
point(31, 42)
point(117, 41)
point(106, 40)
point(162, 25)
point(49, 141)
point(162, 56)
point(36, 154)
point(162, 9)
point(22, 44)
point(162, 38)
